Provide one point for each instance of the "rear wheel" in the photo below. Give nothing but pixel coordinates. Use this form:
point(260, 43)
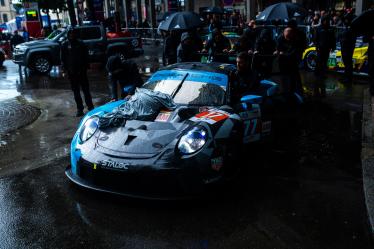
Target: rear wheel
point(41, 64)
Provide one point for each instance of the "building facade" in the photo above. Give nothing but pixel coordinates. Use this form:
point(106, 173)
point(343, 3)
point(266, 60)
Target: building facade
point(7, 12)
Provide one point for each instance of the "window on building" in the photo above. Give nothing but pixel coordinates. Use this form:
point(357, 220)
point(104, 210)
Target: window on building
point(2, 2)
point(5, 17)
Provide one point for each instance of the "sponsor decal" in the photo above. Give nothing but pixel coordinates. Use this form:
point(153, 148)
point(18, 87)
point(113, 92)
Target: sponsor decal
point(163, 116)
point(217, 163)
point(211, 116)
point(113, 164)
point(251, 130)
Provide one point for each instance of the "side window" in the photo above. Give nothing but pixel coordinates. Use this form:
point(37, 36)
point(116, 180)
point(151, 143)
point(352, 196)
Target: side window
point(90, 33)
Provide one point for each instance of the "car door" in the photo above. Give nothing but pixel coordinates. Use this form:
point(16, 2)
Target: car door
point(95, 42)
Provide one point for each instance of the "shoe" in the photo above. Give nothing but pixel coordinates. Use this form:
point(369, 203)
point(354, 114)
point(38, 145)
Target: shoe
point(90, 108)
point(79, 114)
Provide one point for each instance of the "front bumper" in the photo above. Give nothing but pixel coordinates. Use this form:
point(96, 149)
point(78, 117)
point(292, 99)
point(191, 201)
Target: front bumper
point(144, 183)
point(19, 59)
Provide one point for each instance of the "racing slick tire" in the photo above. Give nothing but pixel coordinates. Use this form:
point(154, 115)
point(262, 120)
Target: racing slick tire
point(41, 64)
point(310, 61)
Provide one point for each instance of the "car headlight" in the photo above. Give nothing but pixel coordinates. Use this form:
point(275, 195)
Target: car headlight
point(20, 49)
point(89, 128)
point(193, 140)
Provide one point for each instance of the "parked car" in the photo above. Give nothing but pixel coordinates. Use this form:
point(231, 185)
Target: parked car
point(41, 55)
point(335, 62)
point(182, 151)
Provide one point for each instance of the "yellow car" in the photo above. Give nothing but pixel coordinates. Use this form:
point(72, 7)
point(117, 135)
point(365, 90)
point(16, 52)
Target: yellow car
point(335, 62)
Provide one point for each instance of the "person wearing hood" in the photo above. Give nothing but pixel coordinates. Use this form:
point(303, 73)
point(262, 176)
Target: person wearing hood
point(217, 45)
point(186, 50)
point(325, 43)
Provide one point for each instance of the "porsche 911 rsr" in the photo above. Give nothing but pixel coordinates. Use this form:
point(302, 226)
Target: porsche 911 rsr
point(182, 151)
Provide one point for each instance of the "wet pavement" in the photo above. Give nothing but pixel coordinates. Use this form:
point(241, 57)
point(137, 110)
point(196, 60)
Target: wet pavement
point(305, 193)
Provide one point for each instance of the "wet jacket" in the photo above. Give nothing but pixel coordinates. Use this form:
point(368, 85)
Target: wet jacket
point(170, 49)
point(216, 47)
point(186, 52)
point(74, 56)
point(265, 44)
point(347, 40)
point(289, 59)
point(126, 72)
point(325, 38)
point(242, 84)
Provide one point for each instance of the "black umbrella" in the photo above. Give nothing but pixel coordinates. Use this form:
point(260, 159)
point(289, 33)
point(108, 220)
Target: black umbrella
point(361, 25)
point(182, 21)
point(282, 11)
point(214, 10)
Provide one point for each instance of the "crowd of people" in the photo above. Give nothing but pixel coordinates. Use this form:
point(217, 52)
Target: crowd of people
point(264, 45)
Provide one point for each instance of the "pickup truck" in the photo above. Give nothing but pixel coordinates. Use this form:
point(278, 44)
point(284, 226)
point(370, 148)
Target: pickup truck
point(41, 55)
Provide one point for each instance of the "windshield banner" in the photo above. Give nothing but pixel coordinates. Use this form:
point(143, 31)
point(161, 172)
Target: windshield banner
point(193, 76)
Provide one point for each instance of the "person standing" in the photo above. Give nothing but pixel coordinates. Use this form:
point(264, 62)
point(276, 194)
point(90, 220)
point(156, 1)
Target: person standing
point(288, 52)
point(170, 48)
point(217, 46)
point(74, 57)
point(15, 40)
point(325, 43)
point(348, 43)
point(186, 51)
point(370, 40)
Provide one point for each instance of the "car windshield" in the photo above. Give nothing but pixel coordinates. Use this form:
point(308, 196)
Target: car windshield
point(190, 93)
point(54, 34)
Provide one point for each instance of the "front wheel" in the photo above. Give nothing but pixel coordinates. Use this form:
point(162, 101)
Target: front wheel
point(41, 64)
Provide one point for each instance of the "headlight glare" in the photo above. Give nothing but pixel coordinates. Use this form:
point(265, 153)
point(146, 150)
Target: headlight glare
point(193, 140)
point(89, 128)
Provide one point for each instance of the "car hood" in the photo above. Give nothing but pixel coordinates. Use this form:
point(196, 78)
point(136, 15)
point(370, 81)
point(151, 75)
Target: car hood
point(38, 43)
point(139, 139)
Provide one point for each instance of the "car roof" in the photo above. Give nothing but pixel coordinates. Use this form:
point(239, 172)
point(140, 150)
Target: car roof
point(208, 67)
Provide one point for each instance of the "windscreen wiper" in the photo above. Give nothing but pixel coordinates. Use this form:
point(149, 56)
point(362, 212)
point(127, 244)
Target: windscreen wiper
point(179, 86)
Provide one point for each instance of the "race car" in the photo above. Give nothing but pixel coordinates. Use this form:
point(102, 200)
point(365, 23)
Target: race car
point(335, 62)
point(182, 151)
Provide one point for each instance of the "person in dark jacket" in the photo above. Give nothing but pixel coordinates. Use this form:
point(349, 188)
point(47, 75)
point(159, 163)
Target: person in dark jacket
point(170, 48)
point(347, 43)
point(122, 73)
point(15, 40)
point(217, 46)
point(370, 39)
point(244, 80)
point(289, 52)
point(186, 51)
point(264, 48)
point(325, 43)
point(74, 57)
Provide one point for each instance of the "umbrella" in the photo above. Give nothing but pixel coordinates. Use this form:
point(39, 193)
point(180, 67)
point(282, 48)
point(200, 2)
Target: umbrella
point(282, 11)
point(182, 21)
point(361, 25)
point(214, 10)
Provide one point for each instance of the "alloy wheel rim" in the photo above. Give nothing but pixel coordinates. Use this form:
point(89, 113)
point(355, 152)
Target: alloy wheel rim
point(42, 65)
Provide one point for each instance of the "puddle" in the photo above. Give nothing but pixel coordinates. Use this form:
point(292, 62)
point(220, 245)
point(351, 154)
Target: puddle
point(8, 94)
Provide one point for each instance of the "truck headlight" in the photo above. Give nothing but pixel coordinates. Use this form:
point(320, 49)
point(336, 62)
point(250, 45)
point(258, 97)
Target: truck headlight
point(193, 140)
point(89, 128)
